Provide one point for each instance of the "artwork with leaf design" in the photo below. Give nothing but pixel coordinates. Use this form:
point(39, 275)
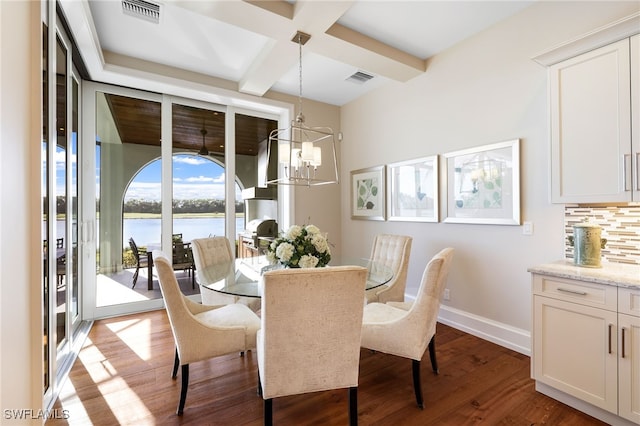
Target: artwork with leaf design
point(368, 193)
point(483, 184)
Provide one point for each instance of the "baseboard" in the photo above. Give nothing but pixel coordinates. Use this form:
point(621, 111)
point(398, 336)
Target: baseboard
point(499, 333)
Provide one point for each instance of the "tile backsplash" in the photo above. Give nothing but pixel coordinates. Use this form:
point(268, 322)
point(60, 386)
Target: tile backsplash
point(620, 226)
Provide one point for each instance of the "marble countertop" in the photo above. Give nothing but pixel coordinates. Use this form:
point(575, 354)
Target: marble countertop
point(617, 274)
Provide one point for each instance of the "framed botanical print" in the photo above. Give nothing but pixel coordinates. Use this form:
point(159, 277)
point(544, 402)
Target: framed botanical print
point(368, 193)
point(483, 184)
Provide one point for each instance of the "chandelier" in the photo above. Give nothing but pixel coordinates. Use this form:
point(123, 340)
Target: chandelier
point(300, 148)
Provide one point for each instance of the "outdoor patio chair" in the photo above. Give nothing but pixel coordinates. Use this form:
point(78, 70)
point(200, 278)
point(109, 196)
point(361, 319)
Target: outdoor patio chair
point(142, 261)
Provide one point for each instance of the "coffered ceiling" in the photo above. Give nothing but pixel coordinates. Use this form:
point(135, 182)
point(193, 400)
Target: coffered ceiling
point(248, 43)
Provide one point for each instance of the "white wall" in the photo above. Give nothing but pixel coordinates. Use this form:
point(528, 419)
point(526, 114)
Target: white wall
point(20, 296)
point(483, 90)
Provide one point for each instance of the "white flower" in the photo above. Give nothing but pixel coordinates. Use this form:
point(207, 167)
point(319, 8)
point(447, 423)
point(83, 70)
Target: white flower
point(300, 247)
point(308, 261)
point(312, 230)
point(320, 243)
point(285, 251)
point(293, 232)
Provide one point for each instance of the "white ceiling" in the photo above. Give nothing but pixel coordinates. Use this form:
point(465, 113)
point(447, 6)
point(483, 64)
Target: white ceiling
point(249, 42)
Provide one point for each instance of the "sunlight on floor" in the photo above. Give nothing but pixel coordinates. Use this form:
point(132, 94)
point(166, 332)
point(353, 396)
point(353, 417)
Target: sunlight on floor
point(89, 355)
point(124, 404)
point(71, 402)
point(110, 292)
point(136, 334)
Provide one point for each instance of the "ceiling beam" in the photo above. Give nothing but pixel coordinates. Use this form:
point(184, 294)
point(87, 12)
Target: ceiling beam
point(280, 20)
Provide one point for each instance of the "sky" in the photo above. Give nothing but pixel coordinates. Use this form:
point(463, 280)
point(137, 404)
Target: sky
point(194, 177)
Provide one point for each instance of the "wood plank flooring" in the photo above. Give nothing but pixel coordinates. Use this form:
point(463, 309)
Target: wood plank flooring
point(122, 376)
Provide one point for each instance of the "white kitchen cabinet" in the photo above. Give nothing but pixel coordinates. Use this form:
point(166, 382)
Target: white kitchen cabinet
point(586, 338)
point(629, 350)
point(574, 342)
point(593, 97)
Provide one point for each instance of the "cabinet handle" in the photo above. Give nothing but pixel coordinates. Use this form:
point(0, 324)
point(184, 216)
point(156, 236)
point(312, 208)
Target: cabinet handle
point(623, 342)
point(566, 290)
point(610, 325)
point(626, 163)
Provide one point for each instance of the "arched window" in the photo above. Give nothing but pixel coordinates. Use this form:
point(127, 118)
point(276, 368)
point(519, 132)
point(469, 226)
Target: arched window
point(198, 202)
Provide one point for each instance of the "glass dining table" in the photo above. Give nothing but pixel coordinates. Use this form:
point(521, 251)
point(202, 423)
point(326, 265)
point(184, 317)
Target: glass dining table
point(242, 276)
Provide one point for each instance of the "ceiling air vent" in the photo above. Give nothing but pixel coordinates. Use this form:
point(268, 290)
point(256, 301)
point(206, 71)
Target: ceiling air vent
point(142, 9)
point(360, 77)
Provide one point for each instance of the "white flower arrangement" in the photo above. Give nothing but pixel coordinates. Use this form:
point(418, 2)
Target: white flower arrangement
point(300, 247)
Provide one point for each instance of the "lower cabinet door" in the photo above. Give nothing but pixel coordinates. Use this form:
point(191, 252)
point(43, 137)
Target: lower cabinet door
point(575, 350)
point(629, 365)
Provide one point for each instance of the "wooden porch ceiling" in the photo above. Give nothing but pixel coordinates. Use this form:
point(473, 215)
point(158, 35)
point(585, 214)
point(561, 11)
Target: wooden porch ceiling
point(138, 122)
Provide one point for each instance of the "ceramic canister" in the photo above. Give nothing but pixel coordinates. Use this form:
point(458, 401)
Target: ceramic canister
point(587, 243)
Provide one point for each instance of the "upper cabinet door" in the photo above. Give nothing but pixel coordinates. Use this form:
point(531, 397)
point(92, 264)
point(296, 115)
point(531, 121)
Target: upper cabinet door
point(635, 116)
point(591, 156)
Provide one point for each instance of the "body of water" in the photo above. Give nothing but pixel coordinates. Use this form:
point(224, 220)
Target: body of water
point(146, 231)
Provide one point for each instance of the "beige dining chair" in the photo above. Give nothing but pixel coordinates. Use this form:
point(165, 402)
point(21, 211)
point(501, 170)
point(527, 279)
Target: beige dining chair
point(202, 332)
point(392, 251)
point(214, 254)
point(407, 329)
point(309, 340)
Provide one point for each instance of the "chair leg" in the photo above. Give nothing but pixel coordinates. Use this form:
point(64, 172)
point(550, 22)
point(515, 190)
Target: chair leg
point(259, 390)
point(135, 275)
point(353, 406)
point(183, 391)
point(432, 355)
point(268, 412)
point(176, 363)
point(417, 386)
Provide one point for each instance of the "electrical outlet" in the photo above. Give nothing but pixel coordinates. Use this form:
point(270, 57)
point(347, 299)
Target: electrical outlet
point(527, 228)
point(447, 294)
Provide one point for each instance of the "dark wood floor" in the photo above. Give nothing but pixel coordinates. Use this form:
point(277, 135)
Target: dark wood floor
point(122, 376)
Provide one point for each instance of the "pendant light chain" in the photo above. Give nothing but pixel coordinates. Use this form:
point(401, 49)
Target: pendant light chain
point(300, 115)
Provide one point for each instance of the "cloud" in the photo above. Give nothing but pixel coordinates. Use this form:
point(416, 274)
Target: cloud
point(181, 191)
point(200, 179)
point(190, 160)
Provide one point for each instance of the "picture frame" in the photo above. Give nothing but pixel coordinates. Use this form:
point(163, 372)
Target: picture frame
point(368, 193)
point(483, 184)
point(412, 190)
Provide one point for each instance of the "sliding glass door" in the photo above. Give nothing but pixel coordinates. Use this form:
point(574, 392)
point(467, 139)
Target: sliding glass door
point(162, 178)
point(59, 192)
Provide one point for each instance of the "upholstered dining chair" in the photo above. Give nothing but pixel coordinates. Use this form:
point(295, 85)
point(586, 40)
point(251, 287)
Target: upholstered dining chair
point(392, 251)
point(309, 340)
point(201, 332)
point(407, 329)
point(214, 255)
